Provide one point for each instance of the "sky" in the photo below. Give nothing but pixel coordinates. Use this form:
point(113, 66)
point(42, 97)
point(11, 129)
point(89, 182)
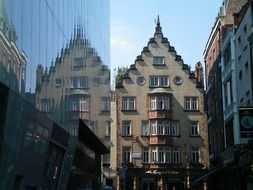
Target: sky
point(186, 23)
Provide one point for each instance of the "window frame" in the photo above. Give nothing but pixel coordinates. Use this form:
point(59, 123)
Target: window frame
point(126, 155)
point(191, 103)
point(159, 60)
point(126, 128)
point(156, 81)
point(128, 103)
point(194, 128)
point(195, 155)
point(145, 158)
point(159, 103)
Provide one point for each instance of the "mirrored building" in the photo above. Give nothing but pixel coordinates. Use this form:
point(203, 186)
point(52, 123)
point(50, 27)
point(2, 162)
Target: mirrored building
point(58, 52)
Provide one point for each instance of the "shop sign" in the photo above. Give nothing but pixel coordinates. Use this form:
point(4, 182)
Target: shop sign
point(246, 121)
point(136, 155)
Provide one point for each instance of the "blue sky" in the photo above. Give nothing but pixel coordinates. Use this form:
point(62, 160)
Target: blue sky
point(186, 23)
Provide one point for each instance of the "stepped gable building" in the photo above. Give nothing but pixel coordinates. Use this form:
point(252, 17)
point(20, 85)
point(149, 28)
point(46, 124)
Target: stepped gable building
point(162, 140)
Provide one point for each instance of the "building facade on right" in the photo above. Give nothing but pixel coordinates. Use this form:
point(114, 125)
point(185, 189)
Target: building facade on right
point(162, 140)
point(228, 58)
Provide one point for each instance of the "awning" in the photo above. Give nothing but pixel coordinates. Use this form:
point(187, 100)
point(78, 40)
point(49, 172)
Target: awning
point(206, 175)
point(161, 91)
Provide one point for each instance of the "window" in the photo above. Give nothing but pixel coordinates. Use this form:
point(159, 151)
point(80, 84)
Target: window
point(153, 128)
point(195, 155)
point(194, 128)
point(240, 74)
point(145, 156)
point(168, 155)
point(79, 82)
point(227, 54)
point(159, 81)
point(106, 158)
point(191, 103)
point(105, 104)
point(161, 154)
point(165, 127)
point(161, 130)
point(159, 103)
point(247, 65)
point(58, 82)
point(126, 128)
point(144, 128)
point(128, 103)
point(154, 154)
point(174, 128)
point(153, 103)
point(47, 105)
point(79, 104)
point(126, 155)
point(245, 28)
point(228, 93)
point(83, 104)
point(108, 129)
point(78, 63)
point(175, 155)
point(159, 61)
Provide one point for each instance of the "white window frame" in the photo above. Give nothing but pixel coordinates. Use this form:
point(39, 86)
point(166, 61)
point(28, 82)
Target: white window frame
point(106, 104)
point(153, 103)
point(145, 156)
point(167, 127)
point(79, 82)
point(159, 60)
point(158, 81)
point(195, 155)
point(168, 154)
point(154, 154)
point(128, 103)
point(127, 157)
point(126, 128)
point(161, 155)
point(159, 103)
point(174, 125)
point(175, 155)
point(191, 103)
point(160, 128)
point(194, 128)
point(108, 129)
point(145, 129)
point(153, 126)
point(78, 62)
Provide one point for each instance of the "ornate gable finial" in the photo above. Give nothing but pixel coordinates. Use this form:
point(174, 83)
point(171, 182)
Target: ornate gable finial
point(158, 28)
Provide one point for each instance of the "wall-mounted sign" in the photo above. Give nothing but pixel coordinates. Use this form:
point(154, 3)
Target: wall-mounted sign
point(136, 155)
point(246, 122)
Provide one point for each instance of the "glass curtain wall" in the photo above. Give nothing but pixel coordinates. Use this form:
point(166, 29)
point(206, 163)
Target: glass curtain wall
point(55, 54)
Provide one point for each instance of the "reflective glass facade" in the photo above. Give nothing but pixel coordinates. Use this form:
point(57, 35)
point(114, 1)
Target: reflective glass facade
point(54, 53)
point(40, 28)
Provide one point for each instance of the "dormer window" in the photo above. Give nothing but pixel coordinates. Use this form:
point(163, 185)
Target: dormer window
point(159, 61)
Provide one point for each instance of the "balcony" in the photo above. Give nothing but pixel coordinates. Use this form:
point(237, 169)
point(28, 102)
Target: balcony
point(160, 114)
point(160, 140)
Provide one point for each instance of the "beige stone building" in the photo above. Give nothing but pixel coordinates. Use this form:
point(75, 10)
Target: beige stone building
point(162, 140)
